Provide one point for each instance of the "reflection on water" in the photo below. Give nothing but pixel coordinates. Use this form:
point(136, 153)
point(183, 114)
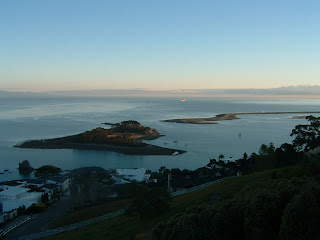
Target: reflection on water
point(24, 119)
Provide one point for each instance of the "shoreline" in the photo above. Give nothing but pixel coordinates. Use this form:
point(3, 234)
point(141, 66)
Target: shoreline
point(147, 149)
point(224, 117)
point(69, 142)
point(126, 138)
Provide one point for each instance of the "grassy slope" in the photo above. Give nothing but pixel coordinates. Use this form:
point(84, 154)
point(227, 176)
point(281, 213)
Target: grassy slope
point(91, 212)
point(121, 227)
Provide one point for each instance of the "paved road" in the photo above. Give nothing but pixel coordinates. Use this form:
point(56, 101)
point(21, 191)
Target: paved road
point(40, 221)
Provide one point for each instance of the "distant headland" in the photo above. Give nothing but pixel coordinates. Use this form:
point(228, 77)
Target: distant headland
point(125, 137)
point(227, 116)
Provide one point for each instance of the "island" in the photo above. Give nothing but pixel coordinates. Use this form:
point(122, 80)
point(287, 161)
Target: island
point(125, 137)
point(226, 116)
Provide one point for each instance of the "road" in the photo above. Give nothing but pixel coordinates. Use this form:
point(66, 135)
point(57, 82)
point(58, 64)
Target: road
point(40, 221)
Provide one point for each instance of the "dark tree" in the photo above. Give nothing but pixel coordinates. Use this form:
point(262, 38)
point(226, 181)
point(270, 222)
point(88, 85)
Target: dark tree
point(287, 155)
point(149, 201)
point(307, 136)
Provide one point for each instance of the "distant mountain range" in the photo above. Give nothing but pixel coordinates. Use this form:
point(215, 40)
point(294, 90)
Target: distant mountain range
point(22, 94)
point(301, 90)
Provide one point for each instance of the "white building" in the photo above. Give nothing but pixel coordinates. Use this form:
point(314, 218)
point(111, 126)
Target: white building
point(133, 174)
point(16, 197)
point(227, 160)
point(17, 193)
point(13, 193)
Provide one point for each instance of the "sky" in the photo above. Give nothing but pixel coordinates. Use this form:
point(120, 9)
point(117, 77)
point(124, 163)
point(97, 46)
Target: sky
point(158, 44)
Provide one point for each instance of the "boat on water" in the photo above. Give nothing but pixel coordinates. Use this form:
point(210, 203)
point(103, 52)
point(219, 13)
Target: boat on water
point(183, 100)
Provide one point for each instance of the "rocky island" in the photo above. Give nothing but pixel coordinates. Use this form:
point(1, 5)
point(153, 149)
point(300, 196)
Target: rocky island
point(125, 137)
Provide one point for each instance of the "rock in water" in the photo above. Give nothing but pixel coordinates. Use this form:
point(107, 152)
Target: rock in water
point(25, 167)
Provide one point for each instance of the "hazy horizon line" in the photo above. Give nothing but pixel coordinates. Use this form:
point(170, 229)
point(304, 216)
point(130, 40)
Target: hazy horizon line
point(301, 91)
point(24, 90)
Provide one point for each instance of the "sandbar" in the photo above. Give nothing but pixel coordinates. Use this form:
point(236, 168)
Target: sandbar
point(224, 117)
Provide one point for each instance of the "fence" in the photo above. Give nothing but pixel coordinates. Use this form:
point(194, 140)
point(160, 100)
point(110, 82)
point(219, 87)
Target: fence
point(72, 226)
point(14, 226)
point(192, 189)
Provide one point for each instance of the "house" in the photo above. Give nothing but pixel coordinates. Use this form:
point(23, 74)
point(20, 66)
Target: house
point(227, 160)
point(28, 183)
point(35, 183)
point(63, 181)
point(133, 174)
point(51, 189)
point(26, 192)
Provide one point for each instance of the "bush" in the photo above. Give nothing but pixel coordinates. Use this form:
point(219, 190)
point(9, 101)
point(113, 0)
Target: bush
point(36, 208)
point(47, 170)
point(278, 208)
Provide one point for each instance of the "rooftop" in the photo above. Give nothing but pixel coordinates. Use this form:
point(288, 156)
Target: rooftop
point(131, 171)
point(59, 178)
point(14, 191)
point(11, 204)
point(11, 183)
point(50, 186)
point(35, 181)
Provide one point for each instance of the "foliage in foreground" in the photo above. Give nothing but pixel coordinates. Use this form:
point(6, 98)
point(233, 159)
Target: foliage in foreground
point(36, 208)
point(307, 136)
point(283, 207)
point(149, 202)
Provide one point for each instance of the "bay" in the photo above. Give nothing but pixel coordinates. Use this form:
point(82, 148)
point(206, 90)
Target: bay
point(24, 119)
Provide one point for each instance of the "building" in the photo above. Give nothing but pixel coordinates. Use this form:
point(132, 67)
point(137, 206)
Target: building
point(18, 193)
point(51, 190)
point(63, 181)
point(18, 196)
point(133, 174)
point(3, 218)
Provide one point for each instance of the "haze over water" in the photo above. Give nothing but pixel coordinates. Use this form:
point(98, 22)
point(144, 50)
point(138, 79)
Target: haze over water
point(40, 118)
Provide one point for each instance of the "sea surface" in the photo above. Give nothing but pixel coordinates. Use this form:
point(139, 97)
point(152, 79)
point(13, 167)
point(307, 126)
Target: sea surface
point(24, 119)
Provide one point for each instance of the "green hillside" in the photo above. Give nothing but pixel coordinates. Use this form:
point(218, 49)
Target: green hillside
point(124, 226)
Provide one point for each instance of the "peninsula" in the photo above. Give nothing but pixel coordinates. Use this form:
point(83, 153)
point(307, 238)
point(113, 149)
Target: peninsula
point(225, 116)
point(125, 137)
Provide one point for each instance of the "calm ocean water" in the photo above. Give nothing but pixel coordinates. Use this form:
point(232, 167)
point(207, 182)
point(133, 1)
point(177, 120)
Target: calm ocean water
point(38, 118)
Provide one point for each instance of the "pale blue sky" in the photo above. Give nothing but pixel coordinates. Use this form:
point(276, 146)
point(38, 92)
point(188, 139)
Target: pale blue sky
point(93, 44)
